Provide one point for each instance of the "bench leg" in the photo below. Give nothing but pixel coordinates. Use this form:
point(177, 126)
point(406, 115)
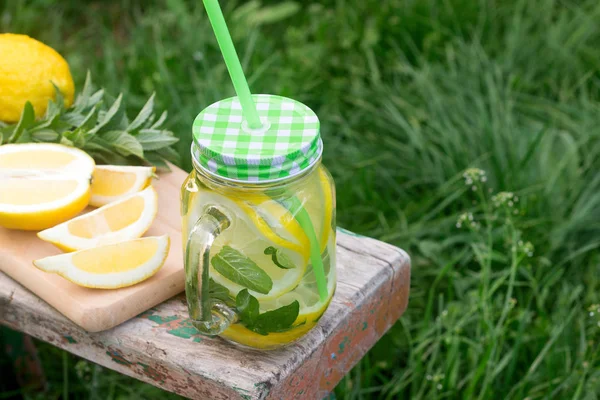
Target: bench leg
point(21, 351)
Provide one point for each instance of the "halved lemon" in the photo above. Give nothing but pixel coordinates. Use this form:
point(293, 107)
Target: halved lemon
point(35, 203)
point(122, 220)
point(111, 266)
point(44, 159)
point(42, 185)
point(114, 182)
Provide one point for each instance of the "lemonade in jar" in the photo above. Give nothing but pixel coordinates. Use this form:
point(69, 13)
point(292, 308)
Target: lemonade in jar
point(258, 223)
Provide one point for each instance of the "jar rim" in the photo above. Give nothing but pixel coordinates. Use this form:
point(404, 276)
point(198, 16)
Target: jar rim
point(255, 184)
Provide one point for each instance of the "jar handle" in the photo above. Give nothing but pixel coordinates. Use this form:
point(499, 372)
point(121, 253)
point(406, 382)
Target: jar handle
point(209, 316)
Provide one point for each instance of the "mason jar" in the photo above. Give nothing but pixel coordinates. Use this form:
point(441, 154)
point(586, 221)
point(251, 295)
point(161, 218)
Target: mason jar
point(258, 224)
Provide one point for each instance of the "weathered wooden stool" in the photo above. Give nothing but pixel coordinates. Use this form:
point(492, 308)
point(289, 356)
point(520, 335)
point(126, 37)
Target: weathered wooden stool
point(161, 346)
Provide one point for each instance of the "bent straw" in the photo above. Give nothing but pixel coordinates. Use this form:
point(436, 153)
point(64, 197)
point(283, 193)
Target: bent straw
point(215, 15)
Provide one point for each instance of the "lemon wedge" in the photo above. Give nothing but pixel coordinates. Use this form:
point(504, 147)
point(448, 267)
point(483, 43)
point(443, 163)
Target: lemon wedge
point(113, 182)
point(42, 185)
point(122, 220)
point(111, 266)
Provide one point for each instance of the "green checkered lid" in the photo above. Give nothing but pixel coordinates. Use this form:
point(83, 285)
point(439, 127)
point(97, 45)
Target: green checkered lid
point(288, 142)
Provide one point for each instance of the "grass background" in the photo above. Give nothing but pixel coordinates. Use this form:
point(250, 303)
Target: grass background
point(411, 94)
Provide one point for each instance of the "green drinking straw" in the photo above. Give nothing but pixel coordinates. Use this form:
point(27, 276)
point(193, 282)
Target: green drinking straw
point(215, 15)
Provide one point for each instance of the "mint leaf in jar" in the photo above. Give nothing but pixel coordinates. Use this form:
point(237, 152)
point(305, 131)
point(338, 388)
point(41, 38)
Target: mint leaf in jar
point(278, 320)
point(238, 268)
point(247, 307)
point(218, 291)
point(280, 258)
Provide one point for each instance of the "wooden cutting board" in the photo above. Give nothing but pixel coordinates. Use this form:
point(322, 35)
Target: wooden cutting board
point(97, 309)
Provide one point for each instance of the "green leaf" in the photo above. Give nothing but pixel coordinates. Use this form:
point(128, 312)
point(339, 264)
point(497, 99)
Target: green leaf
point(277, 320)
point(169, 154)
point(280, 258)
point(160, 120)
point(143, 115)
point(240, 269)
point(154, 139)
point(153, 158)
point(124, 143)
point(45, 135)
point(26, 120)
point(81, 101)
point(247, 307)
point(113, 118)
point(218, 291)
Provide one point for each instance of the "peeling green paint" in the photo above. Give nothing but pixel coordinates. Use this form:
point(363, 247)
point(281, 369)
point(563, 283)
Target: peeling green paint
point(184, 332)
point(365, 325)
point(242, 393)
point(70, 339)
point(342, 346)
point(198, 339)
point(162, 320)
point(118, 358)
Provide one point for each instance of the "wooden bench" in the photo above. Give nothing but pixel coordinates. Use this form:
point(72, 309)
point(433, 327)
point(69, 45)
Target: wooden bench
point(161, 346)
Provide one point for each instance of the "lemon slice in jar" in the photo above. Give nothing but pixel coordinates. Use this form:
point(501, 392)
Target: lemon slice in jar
point(255, 226)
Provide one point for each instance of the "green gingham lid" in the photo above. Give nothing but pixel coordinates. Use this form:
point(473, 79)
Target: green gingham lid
point(288, 143)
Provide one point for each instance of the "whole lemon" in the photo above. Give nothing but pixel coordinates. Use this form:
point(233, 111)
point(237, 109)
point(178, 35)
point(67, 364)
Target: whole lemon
point(27, 70)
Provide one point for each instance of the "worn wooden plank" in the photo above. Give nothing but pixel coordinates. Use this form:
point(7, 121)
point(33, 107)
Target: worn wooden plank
point(161, 347)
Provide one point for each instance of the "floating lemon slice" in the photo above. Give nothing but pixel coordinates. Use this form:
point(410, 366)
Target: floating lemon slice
point(42, 185)
point(111, 266)
point(254, 227)
point(114, 182)
point(122, 220)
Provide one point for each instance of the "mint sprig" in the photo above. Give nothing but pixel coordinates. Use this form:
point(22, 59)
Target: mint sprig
point(279, 258)
point(278, 320)
point(240, 269)
point(99, 125)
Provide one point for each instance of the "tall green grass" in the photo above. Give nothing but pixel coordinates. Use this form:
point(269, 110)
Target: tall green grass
point(411, 94)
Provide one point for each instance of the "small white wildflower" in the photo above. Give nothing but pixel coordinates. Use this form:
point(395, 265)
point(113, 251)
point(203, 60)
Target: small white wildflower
point(458, 224)
point(444, 313)
point(503, 198)
point(439, 386)
point(474, 175)
point(429, 377)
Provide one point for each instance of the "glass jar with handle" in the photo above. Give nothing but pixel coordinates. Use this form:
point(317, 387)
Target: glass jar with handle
point(258, 223)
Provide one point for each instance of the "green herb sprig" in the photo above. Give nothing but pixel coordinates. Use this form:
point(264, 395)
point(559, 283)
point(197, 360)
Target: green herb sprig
point(98, 125)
